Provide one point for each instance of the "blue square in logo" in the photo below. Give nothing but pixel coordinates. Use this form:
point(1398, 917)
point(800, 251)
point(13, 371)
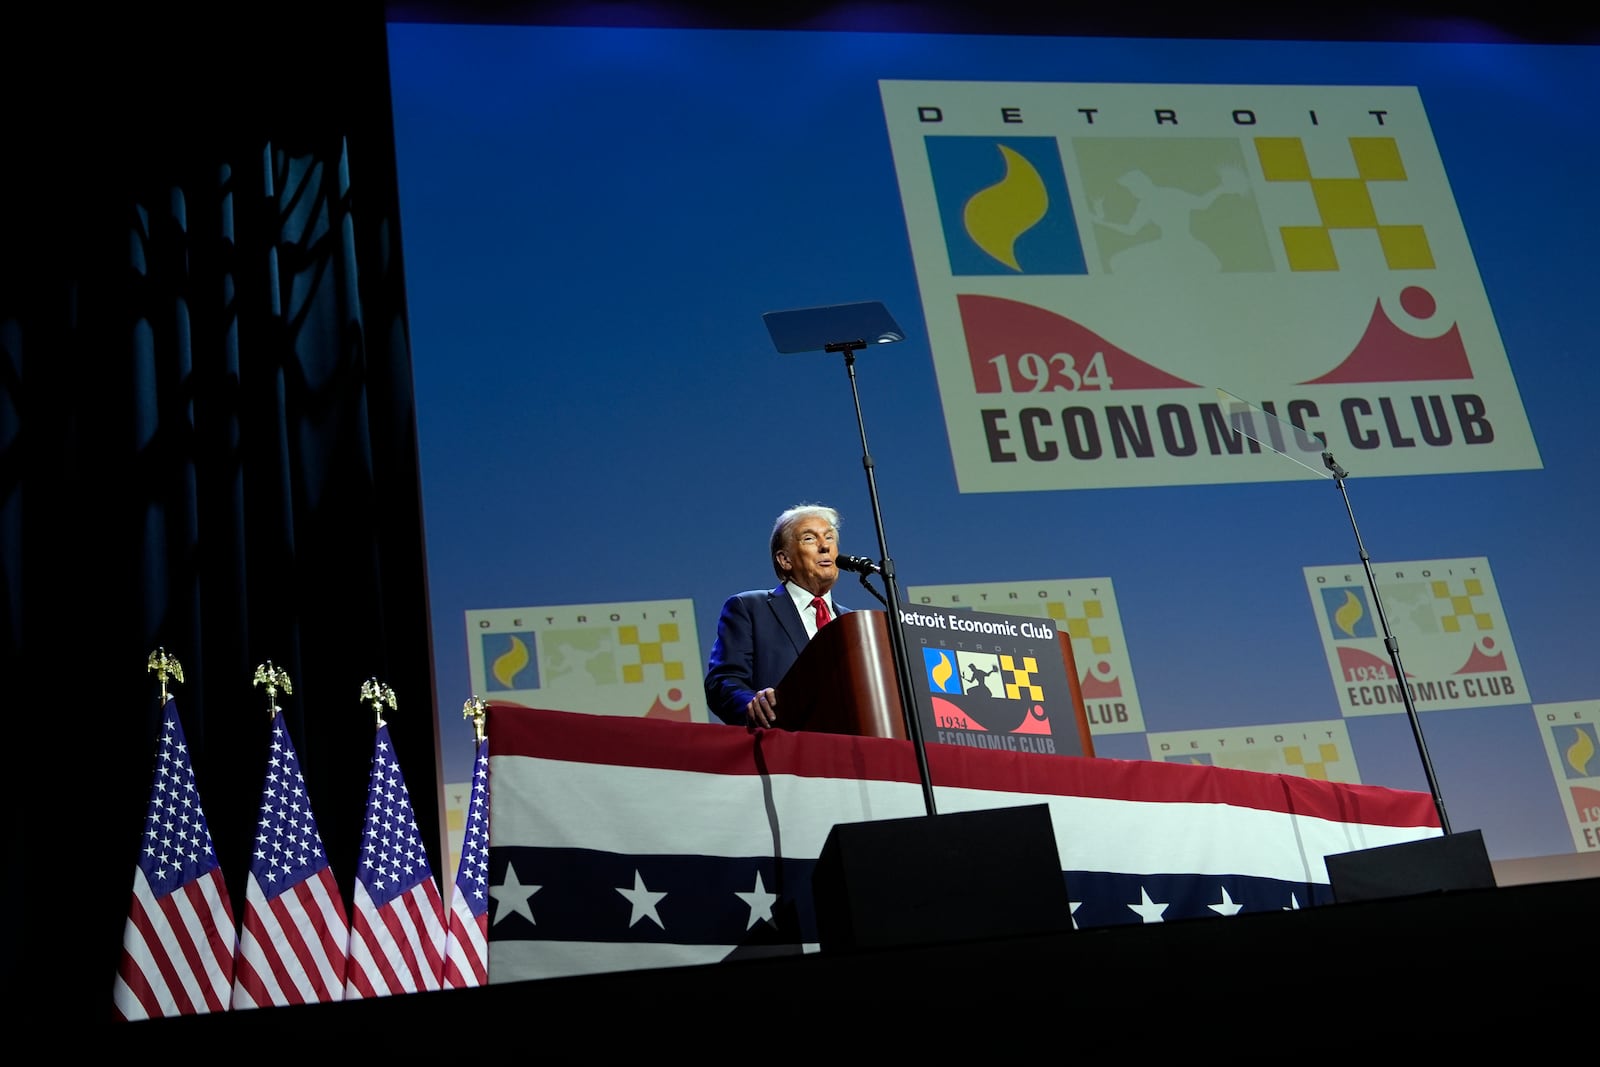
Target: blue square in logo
point(509, 662)
point(1347, 612)
point(1004, 206)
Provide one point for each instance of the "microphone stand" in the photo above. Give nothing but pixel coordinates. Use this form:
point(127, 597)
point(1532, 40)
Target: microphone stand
point(876, 595)
point(897, 636)
point(1389, 642)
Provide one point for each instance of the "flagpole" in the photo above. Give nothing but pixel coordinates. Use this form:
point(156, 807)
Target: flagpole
point(291, 896)
point(178, 941)
point(466, 961)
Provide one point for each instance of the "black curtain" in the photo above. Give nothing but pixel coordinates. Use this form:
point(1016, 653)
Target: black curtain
point(207, 444)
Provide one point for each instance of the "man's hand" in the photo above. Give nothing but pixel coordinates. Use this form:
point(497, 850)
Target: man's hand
point(763, 710)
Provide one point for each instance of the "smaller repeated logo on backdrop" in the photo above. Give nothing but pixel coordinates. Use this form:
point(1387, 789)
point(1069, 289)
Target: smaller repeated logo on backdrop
point(1085, 610)
point(1449, 627)
point(992, 681)
point(1572, 741)
point(457, 799)
point(630, 658)
point(1319, 750)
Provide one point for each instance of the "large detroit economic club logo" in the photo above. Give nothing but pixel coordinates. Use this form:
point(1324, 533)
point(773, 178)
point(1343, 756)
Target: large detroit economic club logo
point(1092, 274)
point(1174, 207)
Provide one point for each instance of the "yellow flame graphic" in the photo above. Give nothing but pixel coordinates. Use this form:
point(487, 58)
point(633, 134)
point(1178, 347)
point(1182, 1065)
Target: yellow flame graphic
point(1348, 614)
point(995, 217)
point(1580, 752)
point(511, 661)
point(941, 673)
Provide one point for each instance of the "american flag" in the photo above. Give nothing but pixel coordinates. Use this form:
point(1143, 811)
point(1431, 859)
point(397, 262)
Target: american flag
point(467, 951)
point(177, 946)
point(397, 936)
point(292, 942)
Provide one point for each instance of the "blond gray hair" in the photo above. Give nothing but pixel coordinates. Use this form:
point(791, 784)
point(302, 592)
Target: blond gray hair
point(785, 523)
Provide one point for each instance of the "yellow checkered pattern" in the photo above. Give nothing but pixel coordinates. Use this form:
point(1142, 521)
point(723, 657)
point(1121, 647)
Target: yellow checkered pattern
point(1079, 627)
point(1344, 204)
point(1327, 753)
point(1020, 683)
point(1461, 609)
point(651, 653)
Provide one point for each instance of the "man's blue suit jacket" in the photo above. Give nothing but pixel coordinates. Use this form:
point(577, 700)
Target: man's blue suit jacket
point(759, 636)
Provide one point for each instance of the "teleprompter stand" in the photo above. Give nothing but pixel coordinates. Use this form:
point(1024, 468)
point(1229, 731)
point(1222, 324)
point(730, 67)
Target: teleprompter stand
point(848, 328)
point(888, 882)
point(1454, 861)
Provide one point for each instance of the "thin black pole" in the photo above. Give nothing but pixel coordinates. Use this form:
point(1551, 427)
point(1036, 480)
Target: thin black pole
point(897, 635)
point(1389, 642)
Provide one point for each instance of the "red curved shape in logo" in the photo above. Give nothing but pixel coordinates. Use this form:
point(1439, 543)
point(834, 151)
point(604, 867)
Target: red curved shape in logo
point(660, 709)
point(1386, 353)
point(1355, 659)
point(1037, 721)
point(995, 326)
point(944, 707)
point(1096, 688)
point(1587, 802)
point(1478, 663)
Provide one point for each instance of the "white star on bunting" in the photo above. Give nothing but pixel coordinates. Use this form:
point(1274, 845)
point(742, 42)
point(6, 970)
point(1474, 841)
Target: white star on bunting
point(1147, 909)
point(511, 895)
point(1227, 907)
point(643, 900)
point(760, 902)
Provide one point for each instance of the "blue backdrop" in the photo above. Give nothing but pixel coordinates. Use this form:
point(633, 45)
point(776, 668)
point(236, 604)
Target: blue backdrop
point(595, 221)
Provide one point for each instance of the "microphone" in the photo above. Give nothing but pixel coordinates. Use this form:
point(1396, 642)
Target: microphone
point(859, 564)
point(1332, 465)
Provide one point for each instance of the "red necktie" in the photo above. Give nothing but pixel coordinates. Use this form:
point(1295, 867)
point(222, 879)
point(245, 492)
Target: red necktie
point(822, 611)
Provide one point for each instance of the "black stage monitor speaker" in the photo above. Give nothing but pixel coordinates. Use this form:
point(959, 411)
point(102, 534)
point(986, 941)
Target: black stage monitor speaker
point(1411, 868)
point(962, 876)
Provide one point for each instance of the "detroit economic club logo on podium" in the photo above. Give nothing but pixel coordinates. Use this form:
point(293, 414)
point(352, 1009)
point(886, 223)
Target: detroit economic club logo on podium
point(1083, 610)
point(991, 681)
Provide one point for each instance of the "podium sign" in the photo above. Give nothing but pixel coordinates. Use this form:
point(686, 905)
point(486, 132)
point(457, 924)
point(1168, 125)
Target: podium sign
point(993, 681)
point(999, 682)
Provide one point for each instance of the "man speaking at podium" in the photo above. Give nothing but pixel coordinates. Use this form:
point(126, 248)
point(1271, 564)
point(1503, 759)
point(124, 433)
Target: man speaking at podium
point(761, 631)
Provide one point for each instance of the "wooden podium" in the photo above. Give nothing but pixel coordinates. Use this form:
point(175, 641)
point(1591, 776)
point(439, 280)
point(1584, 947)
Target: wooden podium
point(844, 683)
point(886, 883)
point(1085, 737)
